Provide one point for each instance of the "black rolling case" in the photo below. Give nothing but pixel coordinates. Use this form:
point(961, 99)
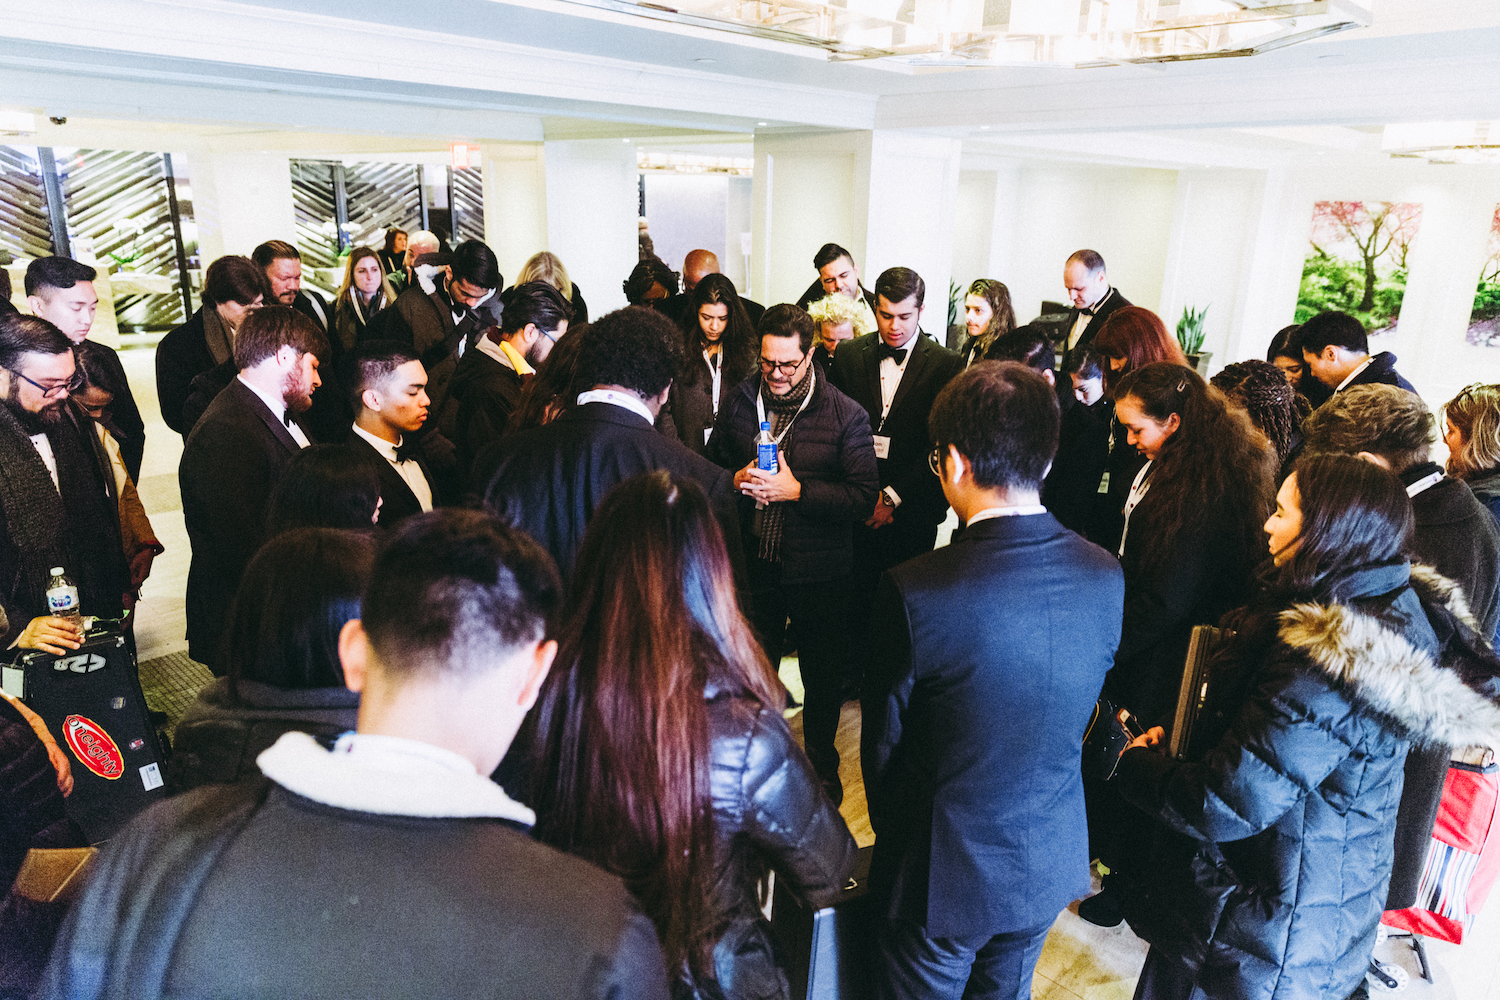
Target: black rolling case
point(91, 701)
point(828, 952)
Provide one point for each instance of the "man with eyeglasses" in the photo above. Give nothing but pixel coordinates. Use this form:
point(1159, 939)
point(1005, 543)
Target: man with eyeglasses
point(59, 505)
point(797, 522)
point(487, 384)
point(61, 291)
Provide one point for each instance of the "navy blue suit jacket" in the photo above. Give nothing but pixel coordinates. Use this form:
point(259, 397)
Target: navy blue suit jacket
point(987, 658)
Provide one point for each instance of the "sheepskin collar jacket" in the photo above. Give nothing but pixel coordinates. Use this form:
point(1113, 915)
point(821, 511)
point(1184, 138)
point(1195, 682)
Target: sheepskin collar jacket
point(1271, 870)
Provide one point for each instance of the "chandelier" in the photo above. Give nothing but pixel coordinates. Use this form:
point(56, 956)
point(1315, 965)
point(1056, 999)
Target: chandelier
point(958, 33)
point(1444, 142)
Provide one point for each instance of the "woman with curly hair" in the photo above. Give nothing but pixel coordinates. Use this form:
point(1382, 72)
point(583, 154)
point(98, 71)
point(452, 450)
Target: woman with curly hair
point(1472, 432)
point(651, 283)
point(988, 317)
point(1191, 540)
point(1268, 399)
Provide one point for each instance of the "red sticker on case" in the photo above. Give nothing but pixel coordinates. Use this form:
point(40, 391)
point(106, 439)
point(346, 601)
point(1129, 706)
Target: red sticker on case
point(93, 747)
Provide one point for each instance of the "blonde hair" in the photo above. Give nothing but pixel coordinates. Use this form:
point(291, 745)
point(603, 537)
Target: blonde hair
point(545, 266)
point(840, 309)
point(355, 256)
point(1475, 413)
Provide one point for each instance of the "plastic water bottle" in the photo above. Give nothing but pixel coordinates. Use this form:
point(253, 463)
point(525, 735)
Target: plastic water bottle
point(62, 598)
point(765, 452)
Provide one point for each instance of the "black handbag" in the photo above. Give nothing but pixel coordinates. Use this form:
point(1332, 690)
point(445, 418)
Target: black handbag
point(1111, 729)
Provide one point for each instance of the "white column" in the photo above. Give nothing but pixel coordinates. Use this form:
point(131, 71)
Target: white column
point(515, 203)
point(591, 204)
point(240, 200)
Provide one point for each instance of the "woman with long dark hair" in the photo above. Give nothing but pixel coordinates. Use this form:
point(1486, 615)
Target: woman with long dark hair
point(1284, 803)
point(659, 751)
point(988, 316)
point(1191, 540)
point(554, 391)
point(1130, 338)
point(721, 353)
point(282, 654)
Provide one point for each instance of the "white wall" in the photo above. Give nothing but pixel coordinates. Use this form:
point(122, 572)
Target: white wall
point(687, 212)
point(240, 200)
point(737, 215)
point(515, 203)
point(913, 198)
point(973, 224)
point(591, 215)
point(1123, 213)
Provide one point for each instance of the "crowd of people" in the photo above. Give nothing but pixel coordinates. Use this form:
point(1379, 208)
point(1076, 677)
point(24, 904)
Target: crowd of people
point(495, 598)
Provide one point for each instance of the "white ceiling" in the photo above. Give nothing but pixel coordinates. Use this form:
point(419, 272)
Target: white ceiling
point(286, 74)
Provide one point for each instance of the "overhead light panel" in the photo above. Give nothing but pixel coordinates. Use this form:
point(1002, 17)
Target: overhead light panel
point(958, 33)
point(1444, 142)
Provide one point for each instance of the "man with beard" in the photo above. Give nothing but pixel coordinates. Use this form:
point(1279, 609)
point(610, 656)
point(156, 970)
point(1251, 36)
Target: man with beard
point(233, 459)
point(58, 505)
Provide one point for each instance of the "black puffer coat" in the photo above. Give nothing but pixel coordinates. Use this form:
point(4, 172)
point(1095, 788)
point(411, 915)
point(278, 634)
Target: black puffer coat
point(219, 737)
point(1277, 889)
point(769, 812)
point(832, 455)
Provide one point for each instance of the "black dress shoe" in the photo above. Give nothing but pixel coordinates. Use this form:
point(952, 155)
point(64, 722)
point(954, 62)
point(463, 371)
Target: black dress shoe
point(1102, 909)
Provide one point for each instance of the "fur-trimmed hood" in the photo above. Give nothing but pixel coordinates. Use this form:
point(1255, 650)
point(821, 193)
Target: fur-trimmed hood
point(1381, 668)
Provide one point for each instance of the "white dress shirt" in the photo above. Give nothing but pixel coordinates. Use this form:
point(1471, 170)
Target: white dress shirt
point(624, 400)
point(1085, 318)
point(277, 406)
point(44, 449)
point(409, 471)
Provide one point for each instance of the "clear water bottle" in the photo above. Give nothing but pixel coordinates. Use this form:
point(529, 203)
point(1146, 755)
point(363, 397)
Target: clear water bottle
point(62, 598)
point(765, 452)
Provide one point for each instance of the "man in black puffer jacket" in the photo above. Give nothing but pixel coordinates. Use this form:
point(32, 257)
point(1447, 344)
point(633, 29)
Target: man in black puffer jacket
point(798, 523)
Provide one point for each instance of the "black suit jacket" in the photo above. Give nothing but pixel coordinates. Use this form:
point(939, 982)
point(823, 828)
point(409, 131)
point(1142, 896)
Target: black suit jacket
point(856, 372)
point(181, 356)
point(1112, 301)
point(549, 480)
point(397, 501)
point(230, 464)
point(974, 716)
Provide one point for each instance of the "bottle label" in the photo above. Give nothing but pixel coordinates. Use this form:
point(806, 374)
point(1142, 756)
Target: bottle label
point(61, 600)
point(765, 456)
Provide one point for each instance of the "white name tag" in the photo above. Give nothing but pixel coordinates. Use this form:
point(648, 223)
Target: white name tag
point(708, 432)
point(1104, 483)
point(882, 446)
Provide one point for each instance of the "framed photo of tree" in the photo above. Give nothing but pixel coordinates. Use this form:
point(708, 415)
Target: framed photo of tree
point(1484, 318)
point(1356, 262)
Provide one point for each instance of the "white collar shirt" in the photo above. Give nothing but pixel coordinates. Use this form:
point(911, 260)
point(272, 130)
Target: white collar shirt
point(409, 471)
point(1355, 373)
point(1024, 510)
point(1085, 318)
point(892, 373)
point(277, 406)
point(624, 400)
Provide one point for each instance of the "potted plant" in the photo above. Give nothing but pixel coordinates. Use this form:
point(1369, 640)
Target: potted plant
point(1190, 339)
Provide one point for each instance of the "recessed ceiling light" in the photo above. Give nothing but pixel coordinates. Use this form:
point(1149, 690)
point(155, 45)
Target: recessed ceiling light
point(985, 127)
point(760, 124)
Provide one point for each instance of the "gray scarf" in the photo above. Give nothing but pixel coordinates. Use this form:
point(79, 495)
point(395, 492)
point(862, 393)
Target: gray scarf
point(782, 412)
point(220, 341)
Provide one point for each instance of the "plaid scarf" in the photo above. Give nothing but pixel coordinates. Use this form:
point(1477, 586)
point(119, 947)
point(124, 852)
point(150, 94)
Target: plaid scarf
point(782, 411)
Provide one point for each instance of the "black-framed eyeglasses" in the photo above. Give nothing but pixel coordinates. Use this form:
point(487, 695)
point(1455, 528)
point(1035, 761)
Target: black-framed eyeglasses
point(53, 391)
point(784, 367)
point(935, 461)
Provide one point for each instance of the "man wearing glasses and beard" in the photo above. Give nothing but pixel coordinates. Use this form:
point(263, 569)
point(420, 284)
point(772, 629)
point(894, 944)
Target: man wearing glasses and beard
point(58, 505)
point(797, 523)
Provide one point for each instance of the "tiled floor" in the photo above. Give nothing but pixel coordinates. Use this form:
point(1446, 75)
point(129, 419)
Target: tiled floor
point(1080, 961)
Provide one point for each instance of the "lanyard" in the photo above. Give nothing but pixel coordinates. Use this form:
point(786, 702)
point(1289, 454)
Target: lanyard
point(716, 370)
point(1425, 483)
point(760, 407)
point(1137, 490)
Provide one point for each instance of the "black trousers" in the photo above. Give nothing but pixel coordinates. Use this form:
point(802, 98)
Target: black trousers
point(875, 551)
point(817, 613)
point(917, 967)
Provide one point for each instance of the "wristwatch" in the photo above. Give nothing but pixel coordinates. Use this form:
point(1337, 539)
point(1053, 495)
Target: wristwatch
point(885, 498)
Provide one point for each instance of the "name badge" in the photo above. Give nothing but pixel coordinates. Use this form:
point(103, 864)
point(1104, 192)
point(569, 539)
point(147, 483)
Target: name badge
point(882, 446)
point(1104, 483)
point(708, 432)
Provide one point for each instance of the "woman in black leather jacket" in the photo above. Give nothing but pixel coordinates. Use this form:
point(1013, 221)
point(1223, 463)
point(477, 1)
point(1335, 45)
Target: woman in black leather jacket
point(659, 751)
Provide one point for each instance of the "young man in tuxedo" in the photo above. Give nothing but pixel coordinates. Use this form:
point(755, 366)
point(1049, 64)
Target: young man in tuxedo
point(1092, 296)
point(61, 291)
point(233, 459)
point(974, 715)
point(389, 394)
point(838, 275)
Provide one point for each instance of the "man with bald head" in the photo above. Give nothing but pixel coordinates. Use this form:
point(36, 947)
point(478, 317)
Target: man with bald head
point(419, 243)
point(697, 265)
point(1092, 296)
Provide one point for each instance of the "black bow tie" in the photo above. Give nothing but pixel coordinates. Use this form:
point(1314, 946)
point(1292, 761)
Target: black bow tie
point(287, 419)
point(1086, 312)
point(406, 451)
point(884, 350)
